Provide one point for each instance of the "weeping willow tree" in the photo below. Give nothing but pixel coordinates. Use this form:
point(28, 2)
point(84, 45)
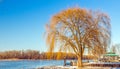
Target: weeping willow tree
point(75, 29)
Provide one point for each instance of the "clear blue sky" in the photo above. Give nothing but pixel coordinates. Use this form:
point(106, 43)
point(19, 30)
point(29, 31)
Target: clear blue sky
point(22, 22)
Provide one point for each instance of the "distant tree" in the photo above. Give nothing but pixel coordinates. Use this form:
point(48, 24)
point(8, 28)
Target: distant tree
point(116, 49)
point(28, 54)
point(32, 54)
point(74, 29)
point(113, 48)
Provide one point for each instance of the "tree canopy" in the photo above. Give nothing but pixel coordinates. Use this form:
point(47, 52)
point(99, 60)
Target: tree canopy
point(75, 29)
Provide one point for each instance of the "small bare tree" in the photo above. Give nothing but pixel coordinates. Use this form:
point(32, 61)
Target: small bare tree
point(116, 49)
point(75, 29)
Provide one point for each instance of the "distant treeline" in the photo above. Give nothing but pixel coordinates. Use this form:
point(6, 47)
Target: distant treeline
point(33, 54)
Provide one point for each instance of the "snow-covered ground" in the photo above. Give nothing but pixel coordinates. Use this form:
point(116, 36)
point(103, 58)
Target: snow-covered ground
point(74, 67)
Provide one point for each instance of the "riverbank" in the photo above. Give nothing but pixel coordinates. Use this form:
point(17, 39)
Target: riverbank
point(75, 67)
point(15, 59)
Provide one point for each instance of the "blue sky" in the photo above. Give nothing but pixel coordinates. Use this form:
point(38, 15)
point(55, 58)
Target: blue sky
point(22, 22)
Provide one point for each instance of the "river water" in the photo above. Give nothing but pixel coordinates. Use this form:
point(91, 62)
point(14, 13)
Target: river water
point(31, 64)
point(28, 64)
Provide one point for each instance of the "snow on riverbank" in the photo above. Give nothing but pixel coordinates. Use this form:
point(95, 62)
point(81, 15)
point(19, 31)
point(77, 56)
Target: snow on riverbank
point(74, 67)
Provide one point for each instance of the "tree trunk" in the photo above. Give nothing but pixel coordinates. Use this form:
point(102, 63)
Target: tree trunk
point(79, 62)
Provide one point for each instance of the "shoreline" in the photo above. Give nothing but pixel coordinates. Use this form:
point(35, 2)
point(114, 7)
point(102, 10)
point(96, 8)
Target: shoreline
point(16, 59)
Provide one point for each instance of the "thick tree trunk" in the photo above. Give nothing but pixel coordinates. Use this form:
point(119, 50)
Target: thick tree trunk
point(79, 62)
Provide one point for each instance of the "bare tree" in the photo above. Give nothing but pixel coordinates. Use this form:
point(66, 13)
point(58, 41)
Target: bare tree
point(75, 29)
point(116, 49)
point(113, 49)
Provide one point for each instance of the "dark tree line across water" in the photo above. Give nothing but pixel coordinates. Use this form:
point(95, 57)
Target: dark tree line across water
point(33, 54)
